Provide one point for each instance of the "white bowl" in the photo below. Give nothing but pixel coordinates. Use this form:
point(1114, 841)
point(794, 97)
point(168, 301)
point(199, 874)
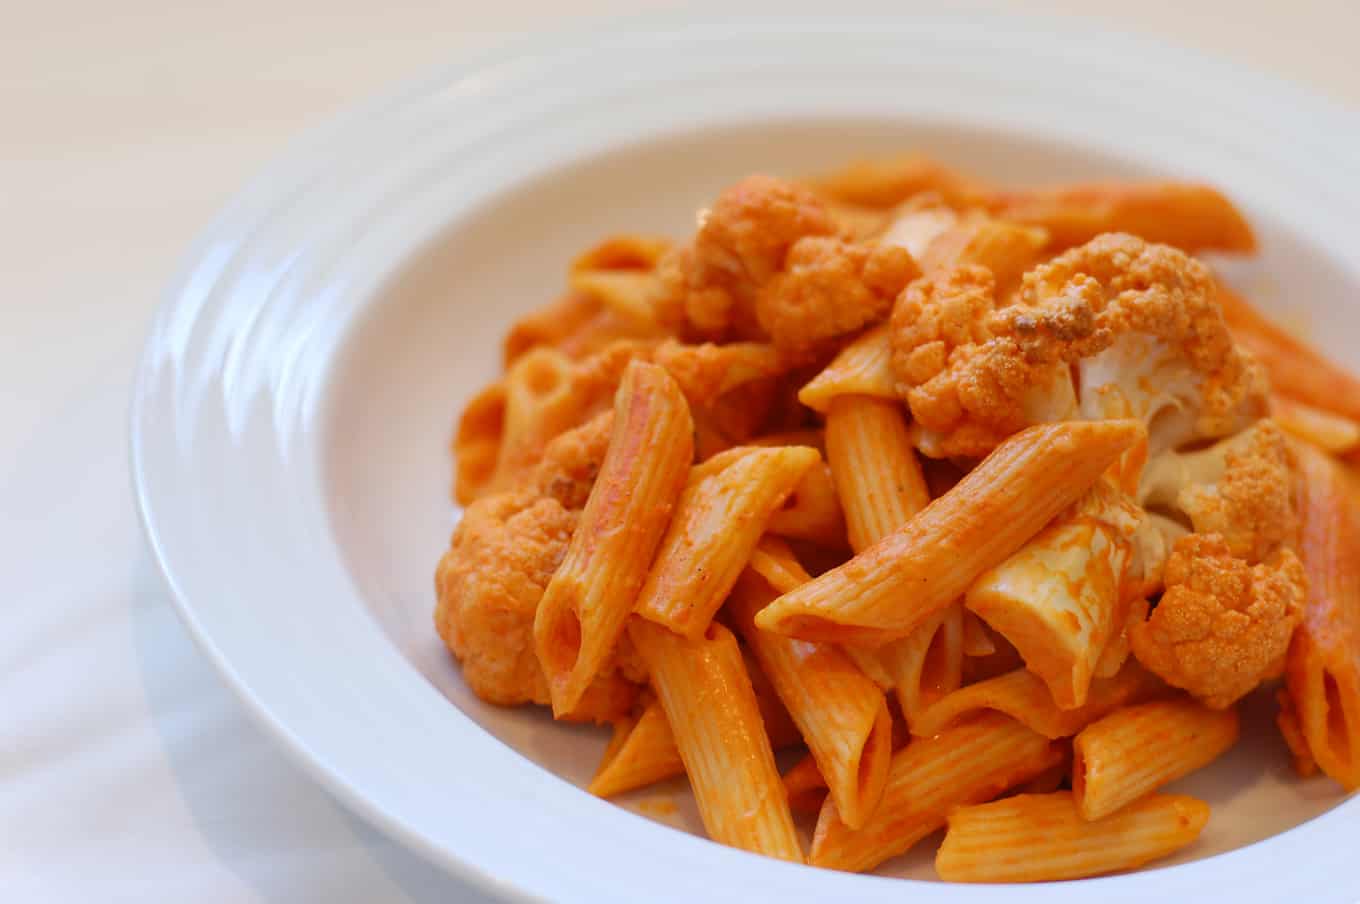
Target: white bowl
point(292, 412)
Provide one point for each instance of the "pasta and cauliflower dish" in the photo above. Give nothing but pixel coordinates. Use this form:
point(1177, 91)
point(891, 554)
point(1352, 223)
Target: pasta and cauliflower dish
point(992, 502)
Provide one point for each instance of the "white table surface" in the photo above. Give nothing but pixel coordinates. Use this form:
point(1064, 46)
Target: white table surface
point(127, 771)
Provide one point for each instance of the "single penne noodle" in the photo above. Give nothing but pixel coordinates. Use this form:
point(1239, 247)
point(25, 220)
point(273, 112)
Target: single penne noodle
point(717, 523)
point(877, 475)
point(929, 777)
point(839, 711)
point(1138, 749)
point(477, 443)
point(1322, 669)
point(813, 511)
point(1007, 249)
point(1190, 217)
point(916, 226)
point(622, 252)
point(550, 325)
point(591, 594)
point(927, 664)
point(1330, 432)
point(1042, 838)
point(628, 293)
point(887, 590)
point(1296, 369)
point(726, 752)
point(1023, 696)
point(890, 181)
point(775, 562)
point(864, 367)
point(805, 786)
point(641, 752)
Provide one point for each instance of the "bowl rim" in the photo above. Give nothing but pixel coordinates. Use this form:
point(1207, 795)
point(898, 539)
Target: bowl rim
point(163, 367)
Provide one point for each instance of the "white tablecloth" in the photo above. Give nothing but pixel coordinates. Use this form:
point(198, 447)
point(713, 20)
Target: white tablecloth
point(127, 772)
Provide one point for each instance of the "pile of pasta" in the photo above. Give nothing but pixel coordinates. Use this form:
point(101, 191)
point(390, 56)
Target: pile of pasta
point(995, 502)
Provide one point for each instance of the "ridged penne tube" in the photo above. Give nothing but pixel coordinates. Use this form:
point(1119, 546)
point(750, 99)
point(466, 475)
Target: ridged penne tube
point(707, 696)
point(864, 367)
point(878, 477)
point(1006, 249)
point(590, 596)
point(813, 511)
point(642, 751)
point(1190, 217)
point(628, 293)
point(928, 778)
point(775, 562)
point(1330, 432)
point(804, 785)
point(889, 181)
point(717, 523)
point(477, 443)
point(887, 590)
point(840, 712)
point(1061, 598)
point(1042, 838)
point(1322, 669)
point(1296, 369)
point(1138, 749)
point(1023, 696)
point(551, 325)
point(927, 664)
point(917, 226)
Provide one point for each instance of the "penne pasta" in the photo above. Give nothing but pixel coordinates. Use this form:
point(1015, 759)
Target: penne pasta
point(588, 600)
point(877, 475)
point(976, 641)
point(1042, 838)
point(864, 367)
point(889, 589)
point(1190, 217)
point(550, 326)
point(628, 294)
point(840, 712)
point(1006, 249)
point(1330, 432)
point(775, 562)
point(779, 725)
point(1296, 369)
point(641, 752)
point(627, 252)
point(1023, 696)
point(805, 786)
point(813, 511)
point(1322, 669)
point(916, 225)
point(707, 696)
point(717, 522)
point(928, 778)
point(1138, 749)
point(477, 443)
point(927, 664)
point(891, 181)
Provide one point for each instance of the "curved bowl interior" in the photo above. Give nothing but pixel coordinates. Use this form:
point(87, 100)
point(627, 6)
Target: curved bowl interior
point(431, 339)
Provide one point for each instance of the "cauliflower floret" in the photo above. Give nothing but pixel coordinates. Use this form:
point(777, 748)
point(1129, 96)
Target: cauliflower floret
point(489, 584)
point(827, 289)
point(1239, 488)
point(1222, 625)
point(1165, 354)
point(709, 285)
point(968, 386)
point(572, 460)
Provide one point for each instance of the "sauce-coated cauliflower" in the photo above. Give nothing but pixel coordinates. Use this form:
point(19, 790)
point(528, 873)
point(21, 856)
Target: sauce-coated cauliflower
point(489, 583)
point(827, 289)
point(708, 286)
point(1222, 625)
